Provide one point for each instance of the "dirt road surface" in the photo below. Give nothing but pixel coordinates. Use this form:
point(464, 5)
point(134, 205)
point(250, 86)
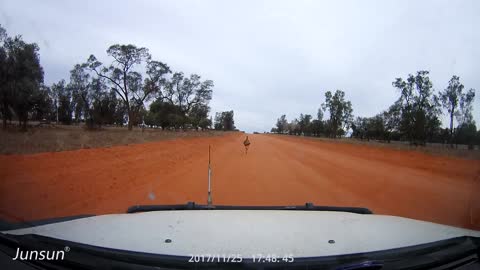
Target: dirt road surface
point(278, 170)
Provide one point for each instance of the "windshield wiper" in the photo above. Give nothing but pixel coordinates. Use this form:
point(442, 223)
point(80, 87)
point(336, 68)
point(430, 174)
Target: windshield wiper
point(194, 206)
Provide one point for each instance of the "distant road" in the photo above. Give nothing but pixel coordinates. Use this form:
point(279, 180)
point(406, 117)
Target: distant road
point(278, 170)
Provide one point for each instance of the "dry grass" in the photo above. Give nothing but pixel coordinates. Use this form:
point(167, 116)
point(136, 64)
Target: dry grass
point(63, 138)
point(459, 151)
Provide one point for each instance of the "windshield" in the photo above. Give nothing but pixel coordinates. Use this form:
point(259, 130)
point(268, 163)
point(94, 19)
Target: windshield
point(352, 107)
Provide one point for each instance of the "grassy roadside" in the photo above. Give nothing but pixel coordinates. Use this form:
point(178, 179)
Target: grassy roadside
point(432, 149)
point(63, 138)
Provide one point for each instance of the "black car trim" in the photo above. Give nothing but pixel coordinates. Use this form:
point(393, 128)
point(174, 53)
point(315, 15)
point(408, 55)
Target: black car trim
point(193, 206)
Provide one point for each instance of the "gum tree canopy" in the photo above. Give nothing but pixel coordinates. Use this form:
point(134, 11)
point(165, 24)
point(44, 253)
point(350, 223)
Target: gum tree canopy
point(126, 81)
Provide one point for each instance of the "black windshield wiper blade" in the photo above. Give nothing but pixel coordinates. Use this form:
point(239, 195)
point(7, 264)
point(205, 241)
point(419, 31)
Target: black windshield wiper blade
point(193, 206)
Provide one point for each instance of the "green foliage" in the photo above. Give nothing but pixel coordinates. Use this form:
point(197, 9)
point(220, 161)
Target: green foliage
point(65, 102)
point(127, 83)
point(165, 115)
point(478, 138)
point(317, 127)
point(104, 110)
point(466, 133)
point(198, 116)
point(224, 121)
point(205, 123)
point(83, 92)
point(21, 77)
point(304, 124)
point(450, 98)
point(466, 107)
point(340, 113)
point(101, 94)
point(413, 117)
point(191, 96)
point(282, 124)
point(43, 108)
point(5, 91)
point(187, 92)
point(457, 103)
point(419, 107)
point(187, 96)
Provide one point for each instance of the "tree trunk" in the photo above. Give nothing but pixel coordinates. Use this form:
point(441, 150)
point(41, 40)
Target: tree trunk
point(23, 124)
point(56, 109)
point(130, 117)
point(451, 129)
point(5, 112)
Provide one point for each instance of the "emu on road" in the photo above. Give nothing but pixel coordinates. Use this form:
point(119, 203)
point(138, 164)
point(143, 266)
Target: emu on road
point(246, 143)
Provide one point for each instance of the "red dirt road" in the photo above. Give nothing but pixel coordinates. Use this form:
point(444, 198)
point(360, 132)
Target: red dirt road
point(276, 171)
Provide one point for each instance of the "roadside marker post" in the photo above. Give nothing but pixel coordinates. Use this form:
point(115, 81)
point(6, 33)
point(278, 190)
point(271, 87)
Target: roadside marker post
point(209, 199)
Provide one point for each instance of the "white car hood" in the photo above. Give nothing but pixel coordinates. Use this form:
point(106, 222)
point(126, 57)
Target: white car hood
point(248, 232)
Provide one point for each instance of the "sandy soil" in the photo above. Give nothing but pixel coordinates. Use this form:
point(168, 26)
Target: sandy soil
point(276, 171)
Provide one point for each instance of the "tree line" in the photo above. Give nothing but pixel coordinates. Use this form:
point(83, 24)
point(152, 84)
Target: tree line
point(414, 116)
point(113, 93)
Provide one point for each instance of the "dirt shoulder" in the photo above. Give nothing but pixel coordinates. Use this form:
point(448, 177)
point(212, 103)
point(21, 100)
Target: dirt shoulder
point(459, 151)
point(64, 138)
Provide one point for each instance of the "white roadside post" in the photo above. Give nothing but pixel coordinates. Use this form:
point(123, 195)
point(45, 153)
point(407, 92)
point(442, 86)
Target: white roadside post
point(209, 200)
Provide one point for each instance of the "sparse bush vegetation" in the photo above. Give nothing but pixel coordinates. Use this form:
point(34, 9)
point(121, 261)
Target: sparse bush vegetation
point(97, 94)
point(414, 117)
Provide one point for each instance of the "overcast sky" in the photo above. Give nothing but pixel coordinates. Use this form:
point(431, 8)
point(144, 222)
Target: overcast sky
point(267, 58)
